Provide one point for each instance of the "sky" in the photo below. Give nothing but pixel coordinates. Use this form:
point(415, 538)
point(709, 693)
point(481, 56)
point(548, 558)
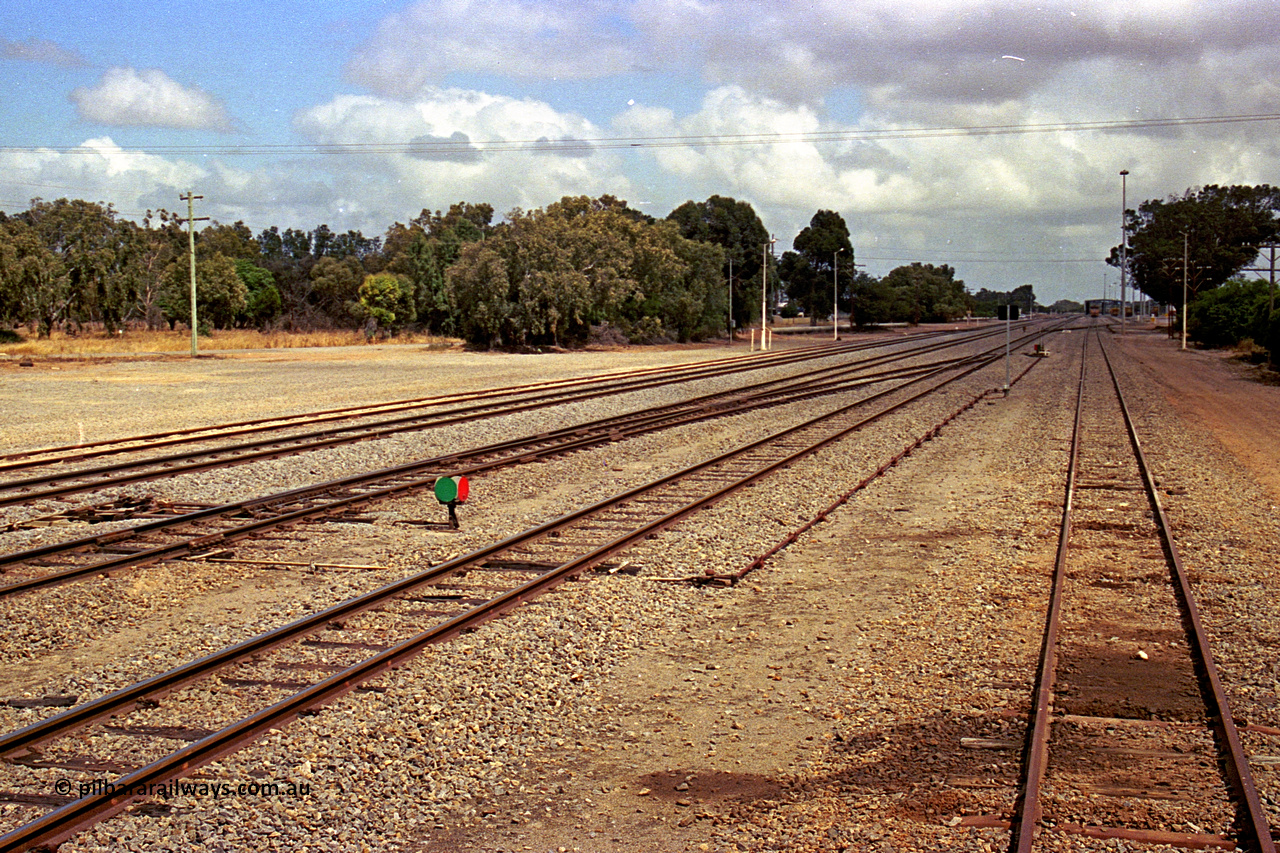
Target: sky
point(988, 135)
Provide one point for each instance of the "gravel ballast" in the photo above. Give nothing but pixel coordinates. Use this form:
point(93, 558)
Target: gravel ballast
point(822, 704)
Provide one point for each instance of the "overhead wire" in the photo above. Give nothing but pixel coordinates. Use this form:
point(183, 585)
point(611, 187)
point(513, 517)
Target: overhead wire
point(469, 147)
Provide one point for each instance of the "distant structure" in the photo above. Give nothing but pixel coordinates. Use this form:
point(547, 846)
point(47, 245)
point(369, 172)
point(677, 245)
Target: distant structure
point(1111, 307)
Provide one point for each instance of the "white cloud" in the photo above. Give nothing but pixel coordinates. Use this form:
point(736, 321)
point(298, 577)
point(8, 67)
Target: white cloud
point(98, 170)
point(424, 134)
point(933, 50)
point(41, 52)
point(1005, 208)
point(430, 39)
point(125, 97)
point(449, 145)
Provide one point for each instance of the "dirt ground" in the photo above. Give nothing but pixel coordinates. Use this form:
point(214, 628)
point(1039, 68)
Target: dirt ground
point(739, 710)
point(712, 734)
point(1239, 403)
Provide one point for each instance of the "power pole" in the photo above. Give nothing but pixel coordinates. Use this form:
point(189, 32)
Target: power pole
point(190, 199)
point(1271, 302)
point(1271, 270)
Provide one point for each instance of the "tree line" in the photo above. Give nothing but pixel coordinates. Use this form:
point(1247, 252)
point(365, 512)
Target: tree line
point(1203, 243)
point(552, 276)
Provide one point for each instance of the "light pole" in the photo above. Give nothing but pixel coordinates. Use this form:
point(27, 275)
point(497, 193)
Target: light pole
point(835, 294)
point(764, 288)
point(1124, 245)
point(1182, 318)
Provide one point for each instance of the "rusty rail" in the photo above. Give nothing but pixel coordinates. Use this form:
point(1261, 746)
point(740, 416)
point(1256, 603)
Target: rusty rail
point(364, 489)
point(63, 822)
point(1255, 830)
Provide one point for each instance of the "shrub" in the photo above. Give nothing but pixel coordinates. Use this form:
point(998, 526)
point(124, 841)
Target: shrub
point(1227, 314)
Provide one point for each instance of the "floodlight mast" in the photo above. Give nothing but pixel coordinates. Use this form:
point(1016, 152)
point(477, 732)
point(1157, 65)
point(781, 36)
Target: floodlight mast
point(1124, 247)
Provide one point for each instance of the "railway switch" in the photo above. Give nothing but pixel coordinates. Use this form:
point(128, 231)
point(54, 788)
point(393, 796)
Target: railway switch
point(452, 491)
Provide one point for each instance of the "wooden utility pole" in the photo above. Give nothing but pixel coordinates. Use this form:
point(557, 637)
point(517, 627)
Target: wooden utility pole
point(190, 199)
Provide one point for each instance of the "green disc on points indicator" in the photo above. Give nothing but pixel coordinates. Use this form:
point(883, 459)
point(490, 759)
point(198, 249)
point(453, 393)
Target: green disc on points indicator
point(446, 490)
point(452, 489)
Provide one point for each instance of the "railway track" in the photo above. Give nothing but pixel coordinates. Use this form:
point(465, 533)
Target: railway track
point(128, 734)
point(1131, 736)
point(61, 476)
point(183, 533)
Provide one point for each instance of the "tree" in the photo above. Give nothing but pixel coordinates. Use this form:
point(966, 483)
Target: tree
point(88, 241)
point(548, 276)
point(335, 288)
point(1225, 228)
point(1223, 316)
point(810, 271)
point(986, 302)
point(425, 261)
point(479, 285)
point(220, 294)
point(353, 244)
point(230, 241)
point(387, 300)
point(928, 293)
point(425, 248)
point(734, 227)
point(263, 305)
point(877, 301)
point(34, 285)
point(678, 292)
point(161, 241)
point(467, 221)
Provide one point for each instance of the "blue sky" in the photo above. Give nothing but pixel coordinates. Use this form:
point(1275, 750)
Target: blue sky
point(134, 103)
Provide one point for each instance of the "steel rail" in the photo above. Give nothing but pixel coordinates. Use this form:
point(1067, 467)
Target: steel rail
point(528, 448)
point(788, 540)
point(80, 715)
point(61, 823)
point(524, 450)
point(189, 435)
point(273, 448)
point(1028, 811)
point(1257, 828)
point(96, 449)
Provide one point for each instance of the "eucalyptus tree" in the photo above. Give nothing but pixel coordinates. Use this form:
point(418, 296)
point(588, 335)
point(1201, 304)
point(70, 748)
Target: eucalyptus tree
point(1221, 229)
point(821, 266)
point(735, 227)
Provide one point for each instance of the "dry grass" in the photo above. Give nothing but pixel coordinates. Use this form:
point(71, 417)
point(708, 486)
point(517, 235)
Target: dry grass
point(142, 341)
